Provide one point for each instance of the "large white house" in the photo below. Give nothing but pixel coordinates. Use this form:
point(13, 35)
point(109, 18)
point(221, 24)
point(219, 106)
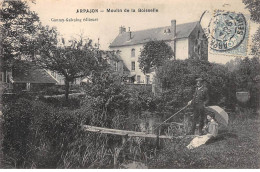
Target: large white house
point(187, 41)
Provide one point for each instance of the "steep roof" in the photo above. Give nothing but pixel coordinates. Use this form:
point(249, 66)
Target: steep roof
point(34, 75)
point(143, 36)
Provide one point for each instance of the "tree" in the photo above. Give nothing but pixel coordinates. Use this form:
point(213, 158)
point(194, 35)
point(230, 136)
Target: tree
point(233, 64)
point(254, 8)
point(153, 55)
point(72, 61)
point(247, 70)
point(19, 31)
point(177, 78)
point(256, 44)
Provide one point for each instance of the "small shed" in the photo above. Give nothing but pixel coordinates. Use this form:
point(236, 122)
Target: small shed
point(32, 79)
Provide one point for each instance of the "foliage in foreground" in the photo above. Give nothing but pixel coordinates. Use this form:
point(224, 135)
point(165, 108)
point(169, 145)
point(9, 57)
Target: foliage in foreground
point(55, 138)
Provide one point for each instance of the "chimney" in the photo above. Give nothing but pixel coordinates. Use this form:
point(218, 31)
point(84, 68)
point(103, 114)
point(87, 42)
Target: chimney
point(122, 29)
point(173, 26)
point(130, 33)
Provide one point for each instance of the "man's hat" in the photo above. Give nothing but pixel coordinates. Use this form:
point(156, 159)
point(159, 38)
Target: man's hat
point(199, 79)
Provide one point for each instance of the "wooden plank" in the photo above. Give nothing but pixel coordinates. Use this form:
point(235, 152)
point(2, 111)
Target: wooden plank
point(158, 123)
point(122, 132)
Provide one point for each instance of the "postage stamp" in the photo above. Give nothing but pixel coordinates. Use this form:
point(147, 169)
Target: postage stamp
point(228, 33)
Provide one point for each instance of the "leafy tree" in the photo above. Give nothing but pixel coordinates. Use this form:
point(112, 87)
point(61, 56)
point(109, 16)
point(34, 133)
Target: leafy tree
point(72, 61)
point(153, 55)
point(256, 44)
point(233, 64)
point(19, 31)
point(254, 8)
point(178, 81)
point(24, 38)
point(245, 76)
point(247, 70)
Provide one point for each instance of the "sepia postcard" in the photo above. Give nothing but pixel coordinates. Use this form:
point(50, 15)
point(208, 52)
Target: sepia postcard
point(137, 84)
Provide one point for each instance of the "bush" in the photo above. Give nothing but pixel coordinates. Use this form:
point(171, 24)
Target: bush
point(59, 102)
point(36, 135)
point(60, 89)
point(17, 121)
point(54, 90)
point(178, 82)
point(40, 136)
point(13, 97)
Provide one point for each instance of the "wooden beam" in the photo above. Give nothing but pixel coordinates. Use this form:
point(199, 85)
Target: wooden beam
point(169, 123)
point(122, 132)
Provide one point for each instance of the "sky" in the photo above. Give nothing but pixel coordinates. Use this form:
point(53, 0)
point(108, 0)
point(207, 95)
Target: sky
point(51, 12)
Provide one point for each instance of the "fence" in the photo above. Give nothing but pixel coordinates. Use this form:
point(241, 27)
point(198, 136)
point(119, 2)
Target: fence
point(140, 87)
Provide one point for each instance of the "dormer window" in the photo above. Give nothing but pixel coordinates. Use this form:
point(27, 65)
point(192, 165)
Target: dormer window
point(167, 30)
point(133, 52)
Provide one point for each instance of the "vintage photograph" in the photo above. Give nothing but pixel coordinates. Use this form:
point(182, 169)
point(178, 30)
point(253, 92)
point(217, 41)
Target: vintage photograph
point(137, 84)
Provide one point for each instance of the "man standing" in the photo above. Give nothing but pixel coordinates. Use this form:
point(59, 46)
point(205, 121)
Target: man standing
point(199, 101)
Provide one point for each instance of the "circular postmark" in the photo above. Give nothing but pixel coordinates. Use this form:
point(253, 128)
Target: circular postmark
point(227, 30)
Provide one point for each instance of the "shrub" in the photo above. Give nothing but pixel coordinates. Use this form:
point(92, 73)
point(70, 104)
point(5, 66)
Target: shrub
point(54, 90)
point(39, 136)
point(36, 134)
point(59, 102)
point(178, 81)
point(17, 121)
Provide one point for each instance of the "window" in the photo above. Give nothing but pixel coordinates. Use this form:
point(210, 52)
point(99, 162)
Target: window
point(199, 50)
point(147, 79)
point(133, 52)
point(2, 77)
point(116, 66)
point(198, 34)
point(138, 78)
point(133, 66)
point(8, 77)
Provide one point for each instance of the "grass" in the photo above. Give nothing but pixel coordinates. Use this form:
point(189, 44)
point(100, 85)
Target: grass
point(235, 147)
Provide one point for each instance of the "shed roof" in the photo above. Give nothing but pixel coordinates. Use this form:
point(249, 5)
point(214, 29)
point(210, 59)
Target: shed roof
point(34, 75)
